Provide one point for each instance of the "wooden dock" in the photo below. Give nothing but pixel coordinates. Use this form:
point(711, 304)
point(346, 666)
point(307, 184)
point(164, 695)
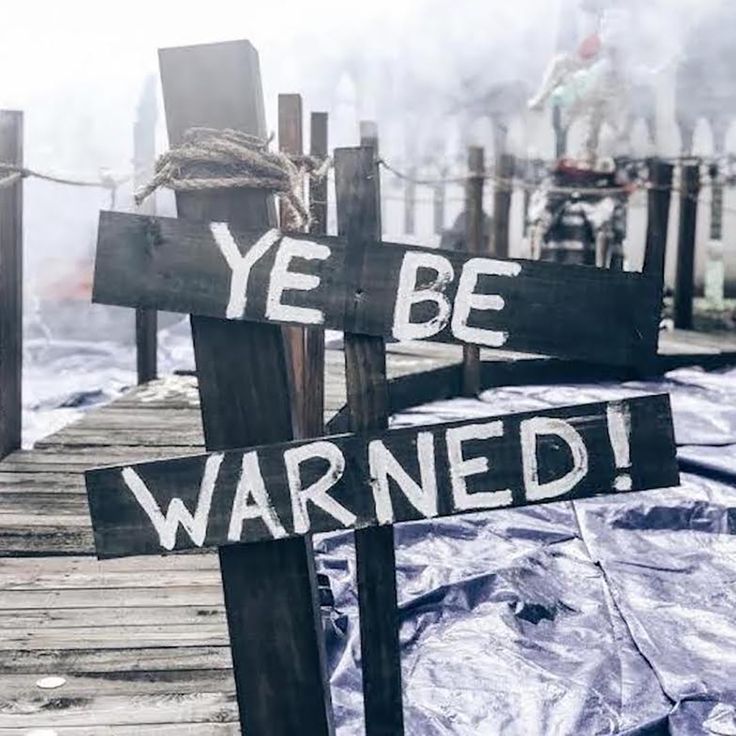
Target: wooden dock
point(141, 643)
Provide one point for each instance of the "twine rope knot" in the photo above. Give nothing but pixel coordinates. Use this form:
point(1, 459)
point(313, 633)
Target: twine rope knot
point(209, 158)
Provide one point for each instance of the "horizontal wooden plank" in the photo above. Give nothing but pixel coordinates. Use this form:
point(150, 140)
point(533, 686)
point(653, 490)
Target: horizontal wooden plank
point(53, 711)
point(353, 481)
point(123, 661)
point(164, 729)
point(113, 637)
point(80, 619)
point(201, 596)
point(121, 683)
point(403, 291)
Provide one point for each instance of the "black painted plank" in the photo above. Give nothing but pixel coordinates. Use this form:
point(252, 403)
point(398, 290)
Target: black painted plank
point(11, 285)
point(122, 527)
point(685, 271)
point(275, 632)
point(357, 182)
point(475, 244)
point(562, 310)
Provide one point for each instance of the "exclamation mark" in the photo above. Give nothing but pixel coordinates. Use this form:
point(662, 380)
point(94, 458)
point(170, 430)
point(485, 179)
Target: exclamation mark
point(619, 430)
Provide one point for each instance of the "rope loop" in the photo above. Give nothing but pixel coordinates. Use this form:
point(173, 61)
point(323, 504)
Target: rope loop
point(208, 158)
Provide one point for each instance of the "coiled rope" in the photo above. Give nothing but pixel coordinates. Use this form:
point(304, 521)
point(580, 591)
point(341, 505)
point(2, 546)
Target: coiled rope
point(208, 158)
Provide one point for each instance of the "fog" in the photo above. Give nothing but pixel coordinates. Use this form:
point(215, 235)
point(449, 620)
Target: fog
point(435, 75)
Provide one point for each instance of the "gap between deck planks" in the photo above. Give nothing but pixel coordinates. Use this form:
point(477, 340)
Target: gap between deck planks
point(144, 631)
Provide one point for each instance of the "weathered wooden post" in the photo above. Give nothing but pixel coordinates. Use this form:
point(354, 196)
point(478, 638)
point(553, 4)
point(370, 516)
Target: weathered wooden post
point(659, 195)
point(11, 283)
point(475, 243)
point(291, 143)
point(684, 277)
point(359, 222)
point(144, 159)
point(502, 193)
point(270, 589)
point(314, 352)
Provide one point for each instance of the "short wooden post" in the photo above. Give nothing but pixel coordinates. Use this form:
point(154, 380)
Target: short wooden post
point(271, 596)
point(475, 243)
point(658, 216)
point(144, 158)
point(502, 193)
point(11, 285)
point(314, 351)
point(716, 204)
point(410, 201)
point(291, 143)
point(359, 221)
point(684, 277)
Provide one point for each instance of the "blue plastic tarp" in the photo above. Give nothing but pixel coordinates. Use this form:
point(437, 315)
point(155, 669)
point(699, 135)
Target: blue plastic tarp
point(615, 615)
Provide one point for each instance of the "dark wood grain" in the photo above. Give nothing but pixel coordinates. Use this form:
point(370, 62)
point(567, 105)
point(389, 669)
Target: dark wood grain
point(122, 527)
point(357, 181)
point(502, 193)
point(144, 159)
point(685, 272)
point(291, 142)
point(11, 285)
point(553, 309)
point(475, 245)
point(658, 218)
point(314, 337)
point(275, 631)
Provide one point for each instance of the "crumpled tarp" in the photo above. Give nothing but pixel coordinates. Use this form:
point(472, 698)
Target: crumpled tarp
point(615, 615)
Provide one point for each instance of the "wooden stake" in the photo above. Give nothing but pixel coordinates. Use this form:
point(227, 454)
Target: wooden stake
point(270, 589)
point(314, 350)
point(684, 278)
point(658, 217)
point(358, 216)
point(475, 243)
point(502, 193)
point(144, 158)
point(291, 142)
point(11, 286)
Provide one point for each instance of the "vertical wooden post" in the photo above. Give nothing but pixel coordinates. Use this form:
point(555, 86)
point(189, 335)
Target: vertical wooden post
point(358, 216)
point(410, 200)
point(684, 278)
point(716, 204)
point(475, 243)
point(655, 250)
point(271, 596)
point(11, 285)
point(502, 193)
point(314, 351)
point(291, 143)
point(438, 204)
point(144, 158)
point(658, 217)
point(369, 137)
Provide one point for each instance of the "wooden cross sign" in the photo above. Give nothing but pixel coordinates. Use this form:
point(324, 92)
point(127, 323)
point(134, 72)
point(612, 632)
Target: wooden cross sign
point(258, 494)
point(354, 481)
point(218, 270)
